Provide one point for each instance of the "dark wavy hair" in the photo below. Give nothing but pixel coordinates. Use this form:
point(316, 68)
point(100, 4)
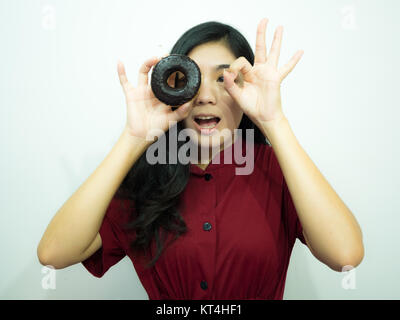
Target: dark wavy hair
point(156, 188)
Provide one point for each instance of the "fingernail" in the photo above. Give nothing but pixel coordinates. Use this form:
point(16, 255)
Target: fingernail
point(230, 72)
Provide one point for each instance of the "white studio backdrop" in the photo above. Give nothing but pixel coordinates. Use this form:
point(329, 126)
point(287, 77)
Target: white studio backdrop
point(62, 110)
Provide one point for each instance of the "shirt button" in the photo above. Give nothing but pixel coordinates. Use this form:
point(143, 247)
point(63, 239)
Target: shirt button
point(207, 226)
point(203, 285)
point(207, 176)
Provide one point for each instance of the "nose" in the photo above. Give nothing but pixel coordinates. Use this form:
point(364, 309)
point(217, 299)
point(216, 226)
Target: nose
point(205, 95)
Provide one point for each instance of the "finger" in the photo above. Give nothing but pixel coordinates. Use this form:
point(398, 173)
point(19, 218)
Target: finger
point(242, 65)
point(261, 50)
point(287, 68)
point(181, 113)
point(233, 89)
point(143, 77)
point(273, 56)
point(121, 74)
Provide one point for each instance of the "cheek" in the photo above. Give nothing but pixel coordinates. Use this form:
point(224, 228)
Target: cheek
point(232, 113)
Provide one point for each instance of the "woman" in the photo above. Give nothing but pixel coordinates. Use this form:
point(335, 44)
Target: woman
point(199, 230)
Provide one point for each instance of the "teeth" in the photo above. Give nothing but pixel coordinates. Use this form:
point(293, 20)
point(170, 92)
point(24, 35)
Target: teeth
point(208, 127)
point(205, 118)
point(205, 126)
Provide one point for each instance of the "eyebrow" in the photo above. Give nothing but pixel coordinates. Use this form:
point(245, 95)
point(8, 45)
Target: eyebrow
point(217, 67)
point(222, 66)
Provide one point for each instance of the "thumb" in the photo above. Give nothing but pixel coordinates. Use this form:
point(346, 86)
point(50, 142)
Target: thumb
point(180, 113)
point(230, 85)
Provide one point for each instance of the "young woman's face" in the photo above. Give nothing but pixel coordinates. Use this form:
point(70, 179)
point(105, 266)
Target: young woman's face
point(212, 99)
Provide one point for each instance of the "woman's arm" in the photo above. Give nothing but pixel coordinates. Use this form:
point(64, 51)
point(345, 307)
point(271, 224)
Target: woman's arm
point(75, 226)
point(332, 233)
point(73, 232)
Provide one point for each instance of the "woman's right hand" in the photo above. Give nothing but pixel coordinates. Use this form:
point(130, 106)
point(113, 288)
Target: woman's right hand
point(144, 111)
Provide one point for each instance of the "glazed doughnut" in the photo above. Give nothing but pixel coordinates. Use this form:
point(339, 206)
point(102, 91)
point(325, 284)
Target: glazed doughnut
point(163, 70)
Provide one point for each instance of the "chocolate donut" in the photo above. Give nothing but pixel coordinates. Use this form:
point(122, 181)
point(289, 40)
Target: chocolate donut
point(163, 70)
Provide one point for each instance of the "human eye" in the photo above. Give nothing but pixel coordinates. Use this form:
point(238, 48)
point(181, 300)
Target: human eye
point(222, 77)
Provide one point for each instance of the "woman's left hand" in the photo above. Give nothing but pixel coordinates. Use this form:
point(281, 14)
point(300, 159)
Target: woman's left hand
point(258, 91)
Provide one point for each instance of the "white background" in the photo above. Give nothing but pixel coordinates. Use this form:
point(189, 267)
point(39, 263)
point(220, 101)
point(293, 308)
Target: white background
point(62, 110)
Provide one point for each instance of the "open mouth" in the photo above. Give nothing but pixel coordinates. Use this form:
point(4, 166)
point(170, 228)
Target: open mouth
point(206, 125)
point(209, 122)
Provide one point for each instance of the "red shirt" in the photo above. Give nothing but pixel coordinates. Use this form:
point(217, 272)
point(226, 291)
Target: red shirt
point(241, 231)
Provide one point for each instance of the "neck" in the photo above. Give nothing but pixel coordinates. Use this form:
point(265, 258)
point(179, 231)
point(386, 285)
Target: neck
point(203, 163)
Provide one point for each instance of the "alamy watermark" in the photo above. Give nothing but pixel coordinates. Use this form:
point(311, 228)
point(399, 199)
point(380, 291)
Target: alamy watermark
point(157, 152)
point(349, 17)
point(49, 280)
point(48, 17)
point(349, 279)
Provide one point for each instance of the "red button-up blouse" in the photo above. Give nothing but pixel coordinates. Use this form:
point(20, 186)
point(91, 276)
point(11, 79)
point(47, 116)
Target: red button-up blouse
point(241, 231)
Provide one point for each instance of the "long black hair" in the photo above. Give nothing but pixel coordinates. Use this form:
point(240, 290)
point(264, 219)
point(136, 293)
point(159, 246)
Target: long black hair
point(156, 188)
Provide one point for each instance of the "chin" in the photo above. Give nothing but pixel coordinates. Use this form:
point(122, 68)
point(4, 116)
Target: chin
point(211, 140)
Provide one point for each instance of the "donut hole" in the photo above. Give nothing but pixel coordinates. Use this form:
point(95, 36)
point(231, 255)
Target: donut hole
point(177, 80)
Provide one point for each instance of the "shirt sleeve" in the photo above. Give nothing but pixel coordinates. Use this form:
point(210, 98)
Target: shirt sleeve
point(295, 227)
point(111, 251)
